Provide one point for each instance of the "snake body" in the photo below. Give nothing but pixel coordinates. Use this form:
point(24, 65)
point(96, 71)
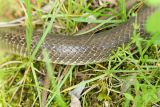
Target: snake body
point(79, 50)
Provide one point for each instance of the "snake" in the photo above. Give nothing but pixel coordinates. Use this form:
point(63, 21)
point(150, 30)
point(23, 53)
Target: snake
point(74, 50)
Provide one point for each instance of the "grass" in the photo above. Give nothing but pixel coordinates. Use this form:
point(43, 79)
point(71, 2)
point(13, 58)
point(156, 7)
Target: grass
point(130, 77)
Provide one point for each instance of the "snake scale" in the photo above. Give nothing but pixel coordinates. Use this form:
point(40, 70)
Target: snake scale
point(79, 50)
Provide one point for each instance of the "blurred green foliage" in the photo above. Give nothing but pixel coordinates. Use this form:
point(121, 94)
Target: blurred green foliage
point(153, 22)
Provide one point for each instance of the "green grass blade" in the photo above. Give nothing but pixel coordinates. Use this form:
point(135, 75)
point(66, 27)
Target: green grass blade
point(55, 90)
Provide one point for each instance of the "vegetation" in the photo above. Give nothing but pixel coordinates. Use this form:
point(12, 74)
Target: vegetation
point(130, 77)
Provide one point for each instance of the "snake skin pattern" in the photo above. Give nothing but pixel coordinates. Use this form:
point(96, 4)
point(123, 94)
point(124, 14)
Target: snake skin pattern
point(79, 50)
